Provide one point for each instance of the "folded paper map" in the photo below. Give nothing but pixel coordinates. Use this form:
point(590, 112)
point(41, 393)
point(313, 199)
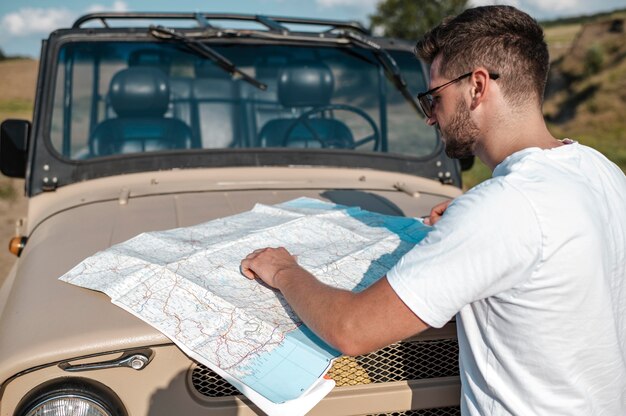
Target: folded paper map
point(187, 283)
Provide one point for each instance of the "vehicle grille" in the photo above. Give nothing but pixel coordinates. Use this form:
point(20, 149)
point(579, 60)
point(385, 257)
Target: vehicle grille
point(210, 384)
point(402, 361)
point(399, 362)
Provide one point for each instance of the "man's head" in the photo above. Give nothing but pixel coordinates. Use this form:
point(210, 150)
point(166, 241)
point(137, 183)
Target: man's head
point(484, 43)
point(502, 39)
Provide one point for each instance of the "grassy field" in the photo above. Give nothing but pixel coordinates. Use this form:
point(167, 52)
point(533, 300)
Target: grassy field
point(560, 38)
point(17, 88)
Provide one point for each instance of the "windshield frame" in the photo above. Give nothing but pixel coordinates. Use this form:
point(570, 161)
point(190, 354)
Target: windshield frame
point(51, 169)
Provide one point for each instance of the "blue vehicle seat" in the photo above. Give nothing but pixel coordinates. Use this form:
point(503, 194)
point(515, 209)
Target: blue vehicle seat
point(306, 87)
point(140, 96)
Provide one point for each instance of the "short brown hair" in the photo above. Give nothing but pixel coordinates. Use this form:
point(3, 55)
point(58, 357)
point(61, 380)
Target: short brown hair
point(502, 39)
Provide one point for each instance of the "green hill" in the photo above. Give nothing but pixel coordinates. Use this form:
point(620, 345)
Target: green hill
point(586, 98)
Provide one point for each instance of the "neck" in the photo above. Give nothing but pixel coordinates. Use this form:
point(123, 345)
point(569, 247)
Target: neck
point(507, 134)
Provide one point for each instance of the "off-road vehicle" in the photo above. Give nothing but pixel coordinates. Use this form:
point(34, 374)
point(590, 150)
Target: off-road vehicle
point(152, 121)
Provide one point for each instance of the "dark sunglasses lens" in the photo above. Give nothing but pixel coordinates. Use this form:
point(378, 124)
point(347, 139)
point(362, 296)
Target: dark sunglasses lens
point(425, 103)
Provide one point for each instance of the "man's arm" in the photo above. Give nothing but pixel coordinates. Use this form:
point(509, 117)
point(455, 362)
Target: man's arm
point(354, 323)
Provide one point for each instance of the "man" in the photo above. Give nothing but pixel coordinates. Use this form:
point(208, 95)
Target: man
point(533, 261)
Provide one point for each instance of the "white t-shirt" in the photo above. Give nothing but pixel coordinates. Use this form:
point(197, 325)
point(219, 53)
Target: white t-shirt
point(534, 263)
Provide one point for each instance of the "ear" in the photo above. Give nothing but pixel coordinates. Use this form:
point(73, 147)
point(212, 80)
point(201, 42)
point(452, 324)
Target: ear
point(479, 86)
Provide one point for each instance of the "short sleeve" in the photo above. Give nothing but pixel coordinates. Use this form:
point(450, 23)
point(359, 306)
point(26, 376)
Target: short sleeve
point(487, 242)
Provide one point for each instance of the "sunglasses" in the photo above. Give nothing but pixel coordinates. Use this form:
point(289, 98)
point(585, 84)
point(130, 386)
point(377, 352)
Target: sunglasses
point(426, 99)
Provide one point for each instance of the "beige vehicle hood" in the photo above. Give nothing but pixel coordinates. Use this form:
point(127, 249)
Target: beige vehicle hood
point(44, 320)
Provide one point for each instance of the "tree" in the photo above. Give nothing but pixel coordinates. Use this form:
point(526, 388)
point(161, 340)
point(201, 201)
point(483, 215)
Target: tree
point(410, 19)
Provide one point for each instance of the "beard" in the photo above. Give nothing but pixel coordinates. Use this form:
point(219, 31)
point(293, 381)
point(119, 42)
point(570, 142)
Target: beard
point(460, 134)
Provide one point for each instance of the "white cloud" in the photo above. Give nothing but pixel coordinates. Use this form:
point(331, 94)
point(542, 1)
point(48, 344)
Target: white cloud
point(29, 20)
point(369, 4)
point(118, 6)
point(41, 21)
point(556, 5)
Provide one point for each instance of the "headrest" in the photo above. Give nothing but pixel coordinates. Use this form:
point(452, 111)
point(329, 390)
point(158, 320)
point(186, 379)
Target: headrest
point(140, 91)
point(305, 84)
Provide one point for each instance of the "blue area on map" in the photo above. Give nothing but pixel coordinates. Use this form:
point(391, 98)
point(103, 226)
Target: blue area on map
point(300, 360)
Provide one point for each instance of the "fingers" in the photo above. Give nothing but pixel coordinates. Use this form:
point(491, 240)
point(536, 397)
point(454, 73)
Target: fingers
point(427, 221)
point(437, 212)
point(264, 262)
point(246, 270)
point(247, 267)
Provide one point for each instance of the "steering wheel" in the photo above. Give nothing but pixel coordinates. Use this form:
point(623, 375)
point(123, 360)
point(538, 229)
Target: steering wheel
point(334, 142)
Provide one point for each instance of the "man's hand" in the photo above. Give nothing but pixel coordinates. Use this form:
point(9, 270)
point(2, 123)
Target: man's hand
point(267, 264)
point(436, 212)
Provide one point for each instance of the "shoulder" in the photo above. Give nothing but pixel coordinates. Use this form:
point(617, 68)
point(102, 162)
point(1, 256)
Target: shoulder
point(494, 212)
point(499, 197)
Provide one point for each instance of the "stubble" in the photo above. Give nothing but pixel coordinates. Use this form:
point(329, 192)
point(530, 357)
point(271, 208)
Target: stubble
point(460, 134)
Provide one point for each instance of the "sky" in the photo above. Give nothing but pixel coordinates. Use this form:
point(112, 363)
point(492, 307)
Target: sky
point(24, 24)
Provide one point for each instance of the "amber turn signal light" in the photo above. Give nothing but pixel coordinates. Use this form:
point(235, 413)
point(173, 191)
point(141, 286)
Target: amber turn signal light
point(17, 244)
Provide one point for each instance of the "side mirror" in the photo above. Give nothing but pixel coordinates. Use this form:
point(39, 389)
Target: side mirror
point(467, 163)
point(14, 147)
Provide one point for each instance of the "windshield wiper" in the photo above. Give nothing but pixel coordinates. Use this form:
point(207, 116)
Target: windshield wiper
point(163, 33)
point(388, 63)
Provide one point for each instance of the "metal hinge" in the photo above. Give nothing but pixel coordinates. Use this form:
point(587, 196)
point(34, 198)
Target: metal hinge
point(48, 183)
point(137, 360)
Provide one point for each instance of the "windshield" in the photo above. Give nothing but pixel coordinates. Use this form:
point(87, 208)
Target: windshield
point(114, 98)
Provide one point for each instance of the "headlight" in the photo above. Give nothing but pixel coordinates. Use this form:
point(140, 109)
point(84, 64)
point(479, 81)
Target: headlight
point(75, 397)
point(68, 404)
